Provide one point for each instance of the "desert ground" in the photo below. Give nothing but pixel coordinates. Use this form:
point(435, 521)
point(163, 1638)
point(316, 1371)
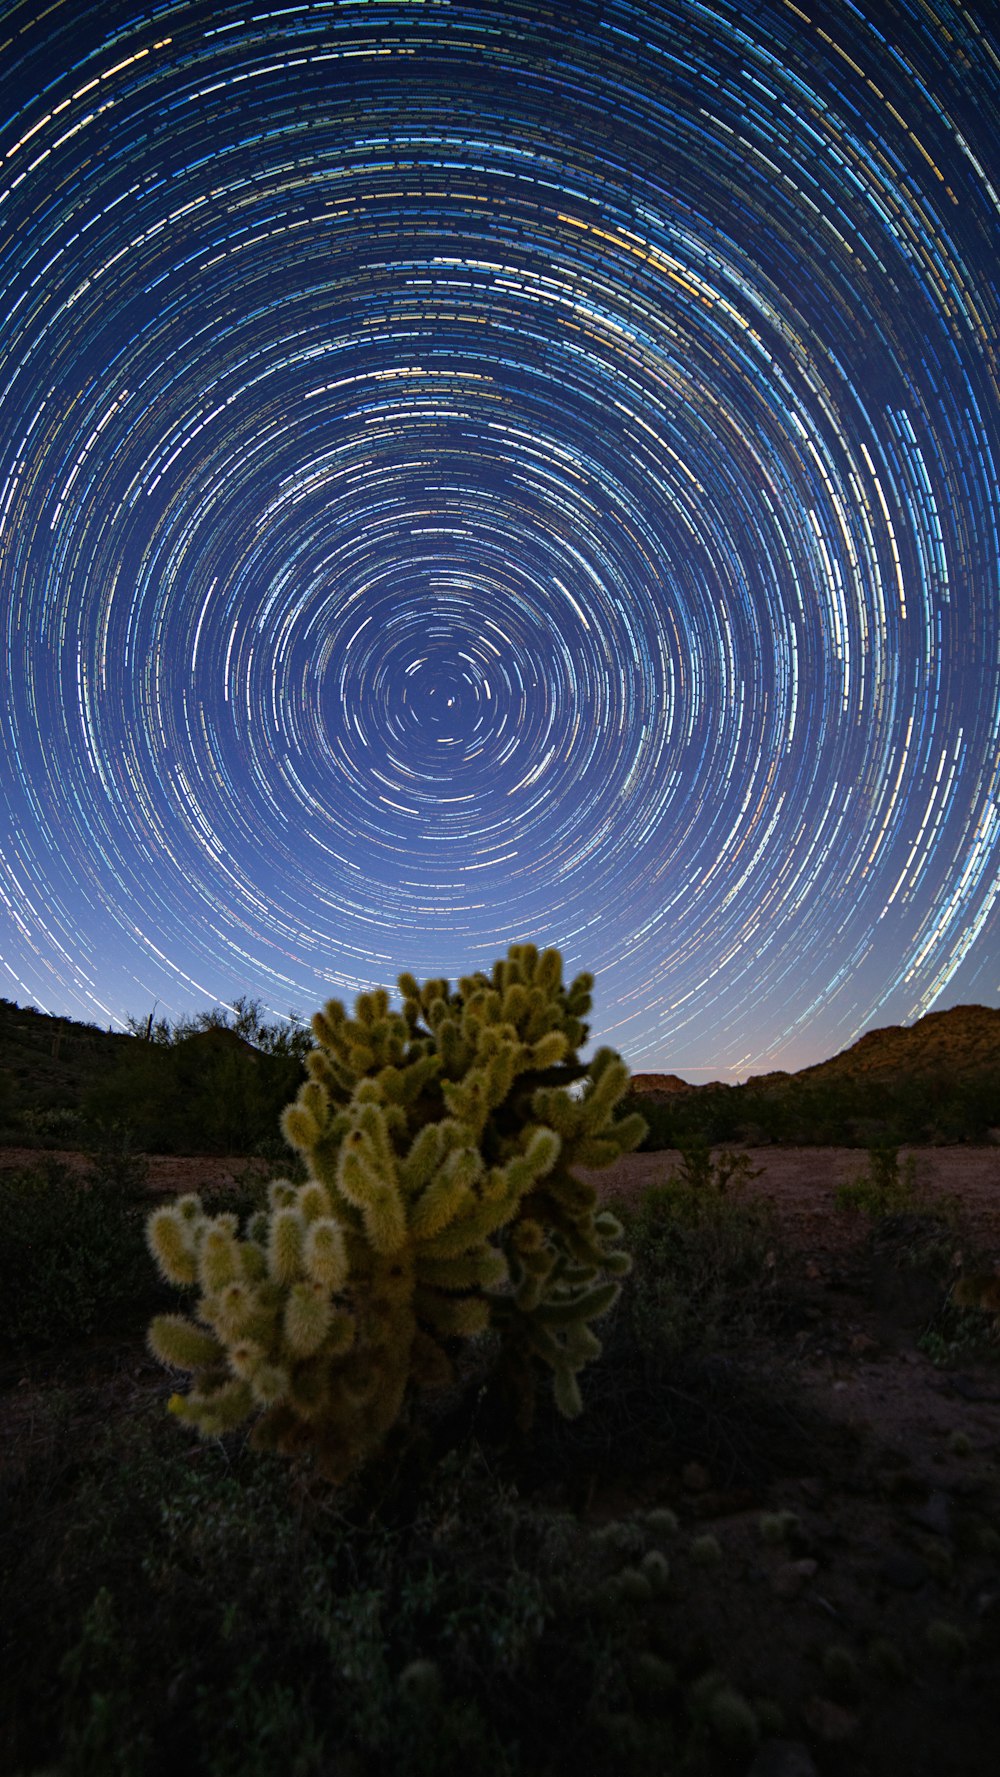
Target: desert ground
point(857, 1354)
point(854, 1405)
point(800, 1182)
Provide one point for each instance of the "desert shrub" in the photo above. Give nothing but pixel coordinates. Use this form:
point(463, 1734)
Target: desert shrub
point(883, 1188)
point(208, 1092)
point(705, 1255)
point(944, 1105)
point(72, 1258)
point(966, 1325)
point(843, 1111)
point(59, 1124)
point(959, 1335)
point(439, 1204)
point(658, 1118)
point(712, 1114)
point(169, 1614)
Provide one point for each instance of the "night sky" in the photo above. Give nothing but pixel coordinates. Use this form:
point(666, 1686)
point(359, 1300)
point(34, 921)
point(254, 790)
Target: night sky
point(476, 473)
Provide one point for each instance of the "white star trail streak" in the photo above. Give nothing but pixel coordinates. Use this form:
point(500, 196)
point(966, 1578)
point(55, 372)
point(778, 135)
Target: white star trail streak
point(476, 473)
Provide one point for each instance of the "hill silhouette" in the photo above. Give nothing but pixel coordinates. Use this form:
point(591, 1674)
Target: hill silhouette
point(204, 1087)
point(963, 1039)
point(201, 1087)
point(48, 1063)
point(661, 1085)
point(937, 1080)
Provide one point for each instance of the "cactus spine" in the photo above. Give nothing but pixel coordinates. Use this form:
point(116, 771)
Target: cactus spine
point(440, 1141)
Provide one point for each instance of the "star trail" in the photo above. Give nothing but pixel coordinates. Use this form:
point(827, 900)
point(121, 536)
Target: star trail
point(477, 473)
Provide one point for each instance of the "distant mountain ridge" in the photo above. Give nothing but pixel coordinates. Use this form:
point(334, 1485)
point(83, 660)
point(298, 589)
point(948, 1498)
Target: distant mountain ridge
point(661, 1084)
point(61, 1082)
point(963, 1040)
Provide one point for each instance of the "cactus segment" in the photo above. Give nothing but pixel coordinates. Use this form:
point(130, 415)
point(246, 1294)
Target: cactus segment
point(176, 1341)
point(169, 1238)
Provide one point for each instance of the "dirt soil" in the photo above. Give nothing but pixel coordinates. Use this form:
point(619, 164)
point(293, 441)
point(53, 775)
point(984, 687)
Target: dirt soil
point(893, 1476)
point(864, 1301)
point(898, 1524)
point(800, 1182)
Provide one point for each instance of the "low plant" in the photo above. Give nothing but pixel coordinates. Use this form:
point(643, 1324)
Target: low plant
point(733, 1721)
point(705, 1176)
point(706, 1550)
point(706, 1255)
point(440, 1203)
point(960, 1332)
point(777, 1527)
point(56, 1124)
point(169, 1614)
point(73, 1259)
point(883, 1188)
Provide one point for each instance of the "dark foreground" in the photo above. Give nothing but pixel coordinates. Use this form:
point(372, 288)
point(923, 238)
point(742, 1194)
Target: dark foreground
point(771, 1544)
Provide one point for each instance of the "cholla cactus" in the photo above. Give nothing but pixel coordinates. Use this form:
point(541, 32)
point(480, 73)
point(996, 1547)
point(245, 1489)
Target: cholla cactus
point(440, 1141)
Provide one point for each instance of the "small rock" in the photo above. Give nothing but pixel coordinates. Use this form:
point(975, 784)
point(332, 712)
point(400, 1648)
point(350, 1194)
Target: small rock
point(968, 1388)
point(906, 1573)
point(967, 1486)
point(723, 1502)
point(934, 1515)
point(827, 1720)
point(986, 1603)
point(782, 1758)
point(788, 1580)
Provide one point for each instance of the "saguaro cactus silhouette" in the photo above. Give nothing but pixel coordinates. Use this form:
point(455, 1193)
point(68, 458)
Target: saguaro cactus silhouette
point(440, 1140)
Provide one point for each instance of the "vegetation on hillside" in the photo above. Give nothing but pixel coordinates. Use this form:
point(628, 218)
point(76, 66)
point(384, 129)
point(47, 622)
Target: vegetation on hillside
point(217, 1081)
point(943, 1106)
point(214, 1083)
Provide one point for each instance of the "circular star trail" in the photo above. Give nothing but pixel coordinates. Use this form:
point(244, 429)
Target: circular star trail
point(471, 474)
